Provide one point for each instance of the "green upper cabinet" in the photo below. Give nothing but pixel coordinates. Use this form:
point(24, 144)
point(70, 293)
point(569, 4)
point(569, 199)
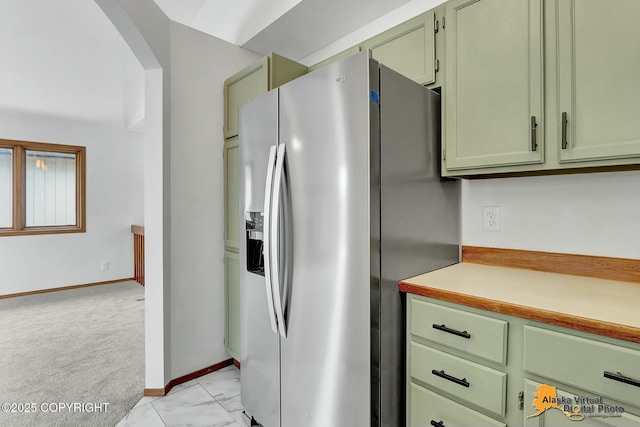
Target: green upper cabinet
point(338, 56)
point(599, 79)
point(268, 73)
point(408, 48)
point(240, 88)
point(493, 92)
point(440, 64)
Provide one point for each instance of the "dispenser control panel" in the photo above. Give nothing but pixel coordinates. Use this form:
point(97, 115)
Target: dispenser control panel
point(253, 233)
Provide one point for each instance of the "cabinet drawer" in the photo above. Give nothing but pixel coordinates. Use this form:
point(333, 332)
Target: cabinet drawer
point(583, 362)
point(484, 336)
point(474, 383)
point(427, 407)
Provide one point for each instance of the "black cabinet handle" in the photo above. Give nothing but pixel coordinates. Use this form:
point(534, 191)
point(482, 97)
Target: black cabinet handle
point(564, 131)
point(443, 328)
point(619, 377)
point(463, 382)
point(534, 134)
point(437, 424)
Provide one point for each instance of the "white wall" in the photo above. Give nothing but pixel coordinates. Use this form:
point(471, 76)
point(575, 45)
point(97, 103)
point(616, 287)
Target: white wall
point(114, 200)
point(199, 65)
point(151, 49)
point(590, 214)
point(147, 31)
point(194, 67)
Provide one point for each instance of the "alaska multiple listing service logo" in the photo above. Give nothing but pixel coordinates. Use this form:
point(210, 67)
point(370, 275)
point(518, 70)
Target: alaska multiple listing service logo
point(575, 407)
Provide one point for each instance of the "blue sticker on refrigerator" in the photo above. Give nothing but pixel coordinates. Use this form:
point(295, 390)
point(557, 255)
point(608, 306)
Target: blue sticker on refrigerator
point(375, 97)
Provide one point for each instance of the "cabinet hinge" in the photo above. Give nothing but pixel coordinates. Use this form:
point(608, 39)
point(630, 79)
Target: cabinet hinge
point(444, 154)
point(443, 22)
point(436, 26)
point(436, 65)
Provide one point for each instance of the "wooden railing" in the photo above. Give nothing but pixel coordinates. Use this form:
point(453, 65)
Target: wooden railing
point(138, 253)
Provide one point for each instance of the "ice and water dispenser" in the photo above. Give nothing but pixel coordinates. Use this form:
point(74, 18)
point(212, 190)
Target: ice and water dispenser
point(253, 230)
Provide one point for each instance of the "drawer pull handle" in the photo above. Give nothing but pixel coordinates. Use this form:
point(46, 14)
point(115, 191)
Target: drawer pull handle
point(437, 424)
point(619, 377)
point(441, 374)
point(443, 328)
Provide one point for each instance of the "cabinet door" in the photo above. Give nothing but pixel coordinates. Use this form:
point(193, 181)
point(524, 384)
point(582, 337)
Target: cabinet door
point(232, 294)
point(240, 88)
point(440, 64)
point(599, 79)
point(555, 417)
point(231, 206)
point(494, 83)
point(408, 48)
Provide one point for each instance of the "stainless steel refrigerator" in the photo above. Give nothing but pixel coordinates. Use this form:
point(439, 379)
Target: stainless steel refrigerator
point(340, 198)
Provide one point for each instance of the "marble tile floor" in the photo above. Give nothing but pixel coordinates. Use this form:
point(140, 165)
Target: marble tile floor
point(212, 400)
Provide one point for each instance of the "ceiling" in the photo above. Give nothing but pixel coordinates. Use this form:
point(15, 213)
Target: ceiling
point(64, 59)
point(293, 28)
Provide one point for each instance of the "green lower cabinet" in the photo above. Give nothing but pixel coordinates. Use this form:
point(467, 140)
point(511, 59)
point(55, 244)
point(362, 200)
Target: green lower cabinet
point(232, 294)
point(450, 382)
point(470, 382)
point(599, 79)
point(448, 385)
point(566, 413)
point(489, 335)
point(493, 94)
point(427, 409)
point(408, 48)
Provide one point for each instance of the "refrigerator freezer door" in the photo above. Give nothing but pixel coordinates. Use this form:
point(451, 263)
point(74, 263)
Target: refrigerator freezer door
point(260, 358)
point(326, 368)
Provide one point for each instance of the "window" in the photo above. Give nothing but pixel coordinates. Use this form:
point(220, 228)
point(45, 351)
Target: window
point(42, 188)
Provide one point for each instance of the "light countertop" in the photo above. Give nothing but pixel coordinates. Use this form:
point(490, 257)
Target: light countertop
point(604, 307)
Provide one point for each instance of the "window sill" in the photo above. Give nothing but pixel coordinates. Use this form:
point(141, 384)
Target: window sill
point(31, 231)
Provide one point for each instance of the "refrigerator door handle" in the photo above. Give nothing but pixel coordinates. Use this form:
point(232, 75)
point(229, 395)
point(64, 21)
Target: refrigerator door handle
point(275, 244)
point(267, 237)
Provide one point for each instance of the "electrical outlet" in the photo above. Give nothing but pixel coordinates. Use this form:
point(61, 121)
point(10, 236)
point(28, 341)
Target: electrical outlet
point(104, 266)
point(491, 218)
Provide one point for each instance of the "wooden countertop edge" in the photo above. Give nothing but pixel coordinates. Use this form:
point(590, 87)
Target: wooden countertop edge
point(613, 330)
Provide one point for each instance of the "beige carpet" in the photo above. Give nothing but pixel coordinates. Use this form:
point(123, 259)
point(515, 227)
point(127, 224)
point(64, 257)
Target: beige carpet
point(64, 355)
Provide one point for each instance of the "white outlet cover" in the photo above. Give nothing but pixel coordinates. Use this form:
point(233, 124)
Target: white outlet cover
point(491, 218)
